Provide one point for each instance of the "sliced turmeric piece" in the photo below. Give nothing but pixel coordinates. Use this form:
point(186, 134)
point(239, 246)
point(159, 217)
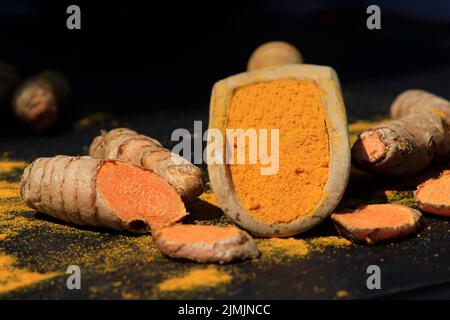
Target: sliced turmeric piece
point(377, 222)
point(103, 193)
point(129, 146)
point(434, 195)
point(206, 243)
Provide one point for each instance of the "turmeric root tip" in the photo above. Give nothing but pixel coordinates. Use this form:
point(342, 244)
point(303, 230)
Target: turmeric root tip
point(433, 195)
point(206, 244)
point(274, 53)
point(400, 147)
point(378, 222)
point(103, 193)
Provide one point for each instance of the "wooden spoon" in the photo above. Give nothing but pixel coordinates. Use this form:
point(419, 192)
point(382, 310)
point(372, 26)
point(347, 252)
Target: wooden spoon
point(338, 141)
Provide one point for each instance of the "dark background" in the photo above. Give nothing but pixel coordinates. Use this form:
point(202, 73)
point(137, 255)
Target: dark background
point(136, 56)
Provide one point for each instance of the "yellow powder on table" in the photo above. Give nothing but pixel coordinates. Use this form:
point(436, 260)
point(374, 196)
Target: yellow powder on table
point(8, 166)
point(197, 278)
point(295, 108)
point(12, 278)
point(333, 241)
point(342, 294)
point(9, 189)
point(290, 247)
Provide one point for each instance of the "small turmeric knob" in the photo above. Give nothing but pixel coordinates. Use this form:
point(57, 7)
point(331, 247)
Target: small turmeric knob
point(273, 54)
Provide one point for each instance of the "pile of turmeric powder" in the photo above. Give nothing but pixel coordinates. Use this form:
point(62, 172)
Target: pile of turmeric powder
point(295, 108)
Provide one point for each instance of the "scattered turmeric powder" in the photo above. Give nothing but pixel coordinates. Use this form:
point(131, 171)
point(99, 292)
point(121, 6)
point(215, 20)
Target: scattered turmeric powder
point(295, 108)
point(97, 118)
point(320, 243)
point(341, 294)
point(209, 277)
point(289, 247)
point(9, 189)
point(6, 166)
point(12, 278)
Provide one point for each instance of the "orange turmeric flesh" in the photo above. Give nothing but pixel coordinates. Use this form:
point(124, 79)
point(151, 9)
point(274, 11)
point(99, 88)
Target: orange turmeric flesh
point(372, 148)
point(377, 222)
point(295, 108)
point(206, 243)
point(197, 233)
point(434, 195)
point(139, 196)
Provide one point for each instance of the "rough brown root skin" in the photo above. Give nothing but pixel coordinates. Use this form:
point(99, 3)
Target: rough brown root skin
point(206, 244)
point(38, 103)
point(102, 193)
point(432, 195)
point(407, 145)
point(129, 146)
point(274, 53)
point(377, 222)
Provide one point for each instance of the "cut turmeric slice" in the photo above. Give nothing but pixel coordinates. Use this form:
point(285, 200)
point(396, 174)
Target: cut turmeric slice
point(434, 195)
point(206, 243)
point(377, 222)
point(103, 193)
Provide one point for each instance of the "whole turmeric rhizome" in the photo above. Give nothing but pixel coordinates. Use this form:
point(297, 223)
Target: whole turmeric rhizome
point(103, 193)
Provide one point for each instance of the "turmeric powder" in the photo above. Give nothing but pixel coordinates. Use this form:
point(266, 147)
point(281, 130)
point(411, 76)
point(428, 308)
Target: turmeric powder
point(295, 108)
point(12, 278)
point(209, 277)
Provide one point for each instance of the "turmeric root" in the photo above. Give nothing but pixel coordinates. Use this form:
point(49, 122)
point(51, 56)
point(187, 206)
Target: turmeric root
point(206, 243)
point(103, 193)
point(433, 195)
point(377, 222)
point(8, 82)
point(407, 145)
point(40, 101)
point(274, 53)
point(129, 146)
